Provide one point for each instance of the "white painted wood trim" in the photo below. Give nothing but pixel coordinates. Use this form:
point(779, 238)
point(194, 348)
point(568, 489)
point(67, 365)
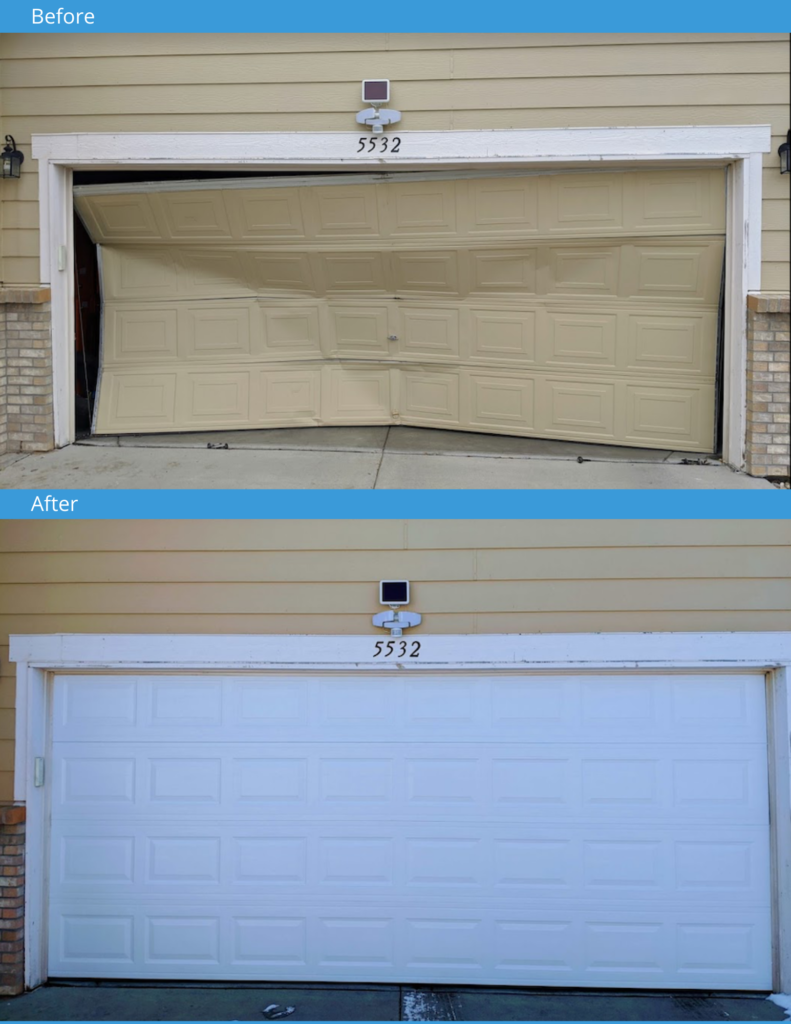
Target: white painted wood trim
point(505, 651)
point(779, 728)
point(38, 656)
point(739, 146)
point(494, 146)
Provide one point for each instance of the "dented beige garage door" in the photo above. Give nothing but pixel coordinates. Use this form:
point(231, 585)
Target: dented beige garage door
point(566, 305)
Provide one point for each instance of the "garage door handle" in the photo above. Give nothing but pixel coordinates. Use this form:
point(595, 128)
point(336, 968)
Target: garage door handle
point(392, 337)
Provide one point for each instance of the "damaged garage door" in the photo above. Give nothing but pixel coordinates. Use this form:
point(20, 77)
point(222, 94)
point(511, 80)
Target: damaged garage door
point(580, 306)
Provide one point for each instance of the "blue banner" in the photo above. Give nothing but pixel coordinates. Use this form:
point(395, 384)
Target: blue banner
point(423, 504)
point(406, 16)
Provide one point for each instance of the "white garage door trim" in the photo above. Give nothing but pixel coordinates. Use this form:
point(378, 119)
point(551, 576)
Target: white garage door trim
point(37, 657)
point(737, 146)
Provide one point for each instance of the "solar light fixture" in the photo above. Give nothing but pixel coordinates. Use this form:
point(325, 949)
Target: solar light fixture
point(784, 152)
point(394, 592)
point(376, 91)
point(12, 159)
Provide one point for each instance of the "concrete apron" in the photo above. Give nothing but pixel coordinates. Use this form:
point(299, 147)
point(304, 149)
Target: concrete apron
point(362, 458)
point(243, 1002)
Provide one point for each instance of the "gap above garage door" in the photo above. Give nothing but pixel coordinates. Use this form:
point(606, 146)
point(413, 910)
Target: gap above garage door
point(568, 305)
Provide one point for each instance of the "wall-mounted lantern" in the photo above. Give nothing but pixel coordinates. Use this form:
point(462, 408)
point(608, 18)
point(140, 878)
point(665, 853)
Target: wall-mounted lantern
point(784, 152)
point(11, 158)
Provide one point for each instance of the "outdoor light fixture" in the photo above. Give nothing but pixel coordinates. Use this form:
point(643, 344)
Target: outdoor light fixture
point(395, 593)
point(376, 91)
point(12, 158)
point(784, 152)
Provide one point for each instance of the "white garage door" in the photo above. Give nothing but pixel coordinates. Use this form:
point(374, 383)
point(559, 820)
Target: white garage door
point(579, 306)
point(555, 830)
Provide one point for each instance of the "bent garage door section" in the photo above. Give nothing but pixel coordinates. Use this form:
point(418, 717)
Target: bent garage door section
point(567, 305)
point(599, 830)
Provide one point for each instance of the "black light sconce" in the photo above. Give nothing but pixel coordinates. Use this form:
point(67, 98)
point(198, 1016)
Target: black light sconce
point(12, 159)
point(784, 152)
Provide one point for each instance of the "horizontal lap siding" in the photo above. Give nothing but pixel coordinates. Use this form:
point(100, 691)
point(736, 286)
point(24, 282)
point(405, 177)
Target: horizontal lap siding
point(129, 82)
point(321, 577)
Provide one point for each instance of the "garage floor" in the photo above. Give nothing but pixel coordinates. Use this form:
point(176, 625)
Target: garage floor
point(361, 458)
point(108, 1001)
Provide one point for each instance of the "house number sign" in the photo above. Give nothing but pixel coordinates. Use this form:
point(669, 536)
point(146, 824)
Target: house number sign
point(397, 649)
point(378, 144)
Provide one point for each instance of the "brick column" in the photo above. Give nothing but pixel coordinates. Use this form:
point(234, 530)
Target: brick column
point(26, 416)
point(12, 900)
point(768, 451)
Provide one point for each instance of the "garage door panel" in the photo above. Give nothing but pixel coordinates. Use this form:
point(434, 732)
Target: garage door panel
point(510, 272)
point(265, 214)
point(606, 301)
point(280, 274)
point(500, 206)
point(217, 331)
point(611, 867)
point(680, 273)
point(668, 416)
point(497, 402)
point(580, 270)
point(415, 273)
point(284, 941)
point(360, 330)
point(502, 336)
point(292, 395)
point(581, 204)
point(139, 273)
point(431, 398)
point(579, 339)
point(138, 401)
point(616, 836)
point(367, 273)
point(674, 201)
point(646, 783)
point(291, 330)
point(210, 397)
point(191, 216)
point(573, 408)
point(351, 395)
point(213, 273)
point(671, 344)
point(136, 335)
point(419, 208)
point(341, 211)
point(701, 708)
point(427, 332)
point(127, 218)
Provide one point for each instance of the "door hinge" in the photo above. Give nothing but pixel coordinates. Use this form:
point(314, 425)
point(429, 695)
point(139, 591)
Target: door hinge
point(38, 771)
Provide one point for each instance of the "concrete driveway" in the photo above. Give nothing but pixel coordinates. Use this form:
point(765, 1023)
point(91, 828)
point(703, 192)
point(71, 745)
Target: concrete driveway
point(108, 1001)
point(361, 458)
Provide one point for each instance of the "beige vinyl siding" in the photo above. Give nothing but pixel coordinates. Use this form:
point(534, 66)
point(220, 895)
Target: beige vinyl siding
point(133, 82)
point(321, 577)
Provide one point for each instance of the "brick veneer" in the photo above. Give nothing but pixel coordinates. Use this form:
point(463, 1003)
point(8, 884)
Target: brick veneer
point(26, 423)
point(768, 449)
point(12, 900)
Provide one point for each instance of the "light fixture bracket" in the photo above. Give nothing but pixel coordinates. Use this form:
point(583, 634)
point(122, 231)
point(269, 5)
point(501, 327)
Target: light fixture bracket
point(784, 152)
point(397, 621)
